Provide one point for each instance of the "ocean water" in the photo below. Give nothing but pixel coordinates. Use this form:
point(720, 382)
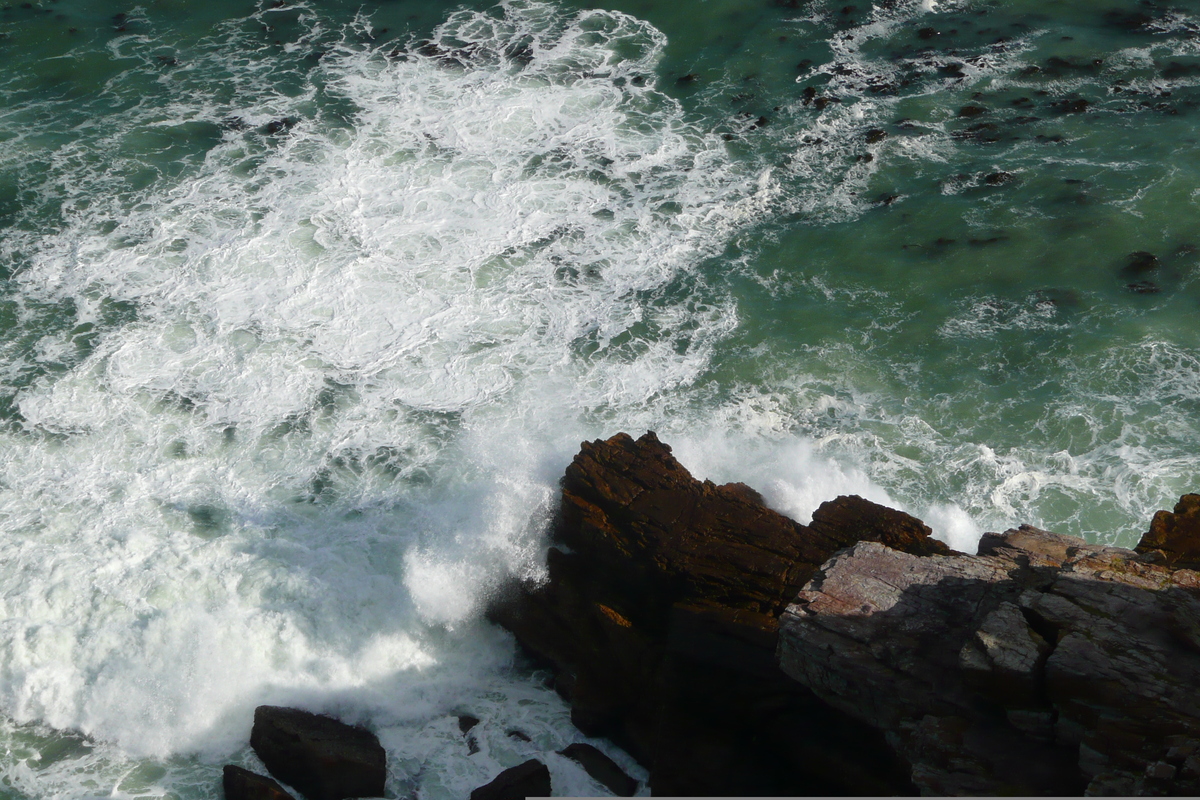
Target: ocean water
point(305, 307)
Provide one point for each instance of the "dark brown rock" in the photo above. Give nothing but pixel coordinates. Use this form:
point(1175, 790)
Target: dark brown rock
point(659, 620)
point(531, 779)
point(1042, 665)
point(602, 768)
point(842, 522)
point(1176, 536)
point(242, 784)
point(321, 757)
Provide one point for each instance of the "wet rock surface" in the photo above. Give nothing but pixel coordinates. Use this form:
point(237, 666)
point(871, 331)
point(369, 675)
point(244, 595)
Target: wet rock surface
point(1175, 536)
point(1041, 666)
point(324, 759)
point(530, 779)
point(659, 621)
point(242, 784)
point(601, 768)
point(734, 651)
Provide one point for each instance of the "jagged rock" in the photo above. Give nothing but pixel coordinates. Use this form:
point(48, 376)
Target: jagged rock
point(659, 620)
point(242, 784)
point(1176, 536)
point(1042, 665)
point(323, 758)
point(602, 768)
point(531, 779)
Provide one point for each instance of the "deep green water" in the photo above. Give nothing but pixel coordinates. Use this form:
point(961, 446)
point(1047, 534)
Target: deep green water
point(304, 309)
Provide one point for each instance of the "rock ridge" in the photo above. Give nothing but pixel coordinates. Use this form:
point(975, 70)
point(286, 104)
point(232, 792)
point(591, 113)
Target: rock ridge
point(1041, 665)
point(734, 651)
point(660, 621)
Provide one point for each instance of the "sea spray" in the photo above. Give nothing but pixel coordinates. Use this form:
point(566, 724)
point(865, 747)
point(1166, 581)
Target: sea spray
point(315, 386)
point(302, 323)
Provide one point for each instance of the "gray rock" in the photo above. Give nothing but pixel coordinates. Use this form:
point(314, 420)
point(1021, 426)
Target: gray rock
point(1042, 665)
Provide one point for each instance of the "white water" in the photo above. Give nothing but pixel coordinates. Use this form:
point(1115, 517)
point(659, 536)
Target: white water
point(361, 358)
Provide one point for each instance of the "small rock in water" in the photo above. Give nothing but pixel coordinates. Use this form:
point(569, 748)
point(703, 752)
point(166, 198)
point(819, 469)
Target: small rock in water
point(999, 178)
point(242, 784)
point(531, 779)
point(875, 135)
point(466, 722)
point(279, 126)
point(324, 758)
point(520, 736)
point(984, 132)
point(602, 768)
point(1070, 105)
point(971, 111)
point(1140, 262)
point(1060, 298)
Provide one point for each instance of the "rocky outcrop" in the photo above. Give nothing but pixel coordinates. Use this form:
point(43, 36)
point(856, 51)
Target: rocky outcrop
point(660, 621)
point(324, 759)
point(735, 651)
point(531, 779)
point(1176, 536)
point(242, 784)
point(1042, 665)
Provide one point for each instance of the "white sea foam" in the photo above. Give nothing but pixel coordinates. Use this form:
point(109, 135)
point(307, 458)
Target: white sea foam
point(354, 361)
point(336, 373)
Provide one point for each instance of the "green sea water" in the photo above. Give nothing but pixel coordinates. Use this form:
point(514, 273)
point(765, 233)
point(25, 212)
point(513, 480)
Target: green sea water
point(305, 306)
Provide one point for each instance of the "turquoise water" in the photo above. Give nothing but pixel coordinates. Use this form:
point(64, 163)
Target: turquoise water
point(304, 309)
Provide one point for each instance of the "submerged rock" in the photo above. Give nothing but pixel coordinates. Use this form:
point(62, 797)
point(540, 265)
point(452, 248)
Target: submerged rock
point(1042, 665)
point(323, 758)
point(1140, 262)
point(531, 779)
point(242, 784)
